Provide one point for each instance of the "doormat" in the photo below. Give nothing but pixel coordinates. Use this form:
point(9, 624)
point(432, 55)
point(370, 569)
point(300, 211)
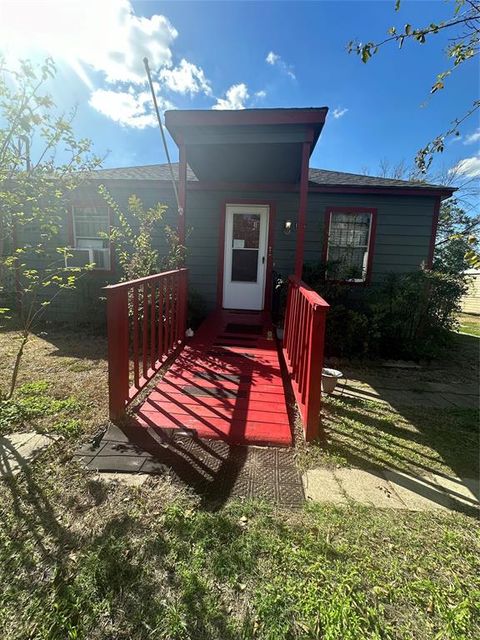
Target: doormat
point(214, 392)
point(212, 468)
point(226, 353)
point(222, 377)
point(235, 343)
point(251, 329)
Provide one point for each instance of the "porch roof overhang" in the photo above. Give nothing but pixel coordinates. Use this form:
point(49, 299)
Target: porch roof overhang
point(247, 146)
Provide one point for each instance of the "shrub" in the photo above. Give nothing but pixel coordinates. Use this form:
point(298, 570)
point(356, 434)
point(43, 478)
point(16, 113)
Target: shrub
point(416, 313)
point(407, 316)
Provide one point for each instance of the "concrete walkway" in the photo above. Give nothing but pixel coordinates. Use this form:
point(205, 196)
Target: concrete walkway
point(17, 450)
point(427, 394)
point(392, 489)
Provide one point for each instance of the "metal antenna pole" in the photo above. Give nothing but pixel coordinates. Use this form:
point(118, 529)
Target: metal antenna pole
point(147, 69)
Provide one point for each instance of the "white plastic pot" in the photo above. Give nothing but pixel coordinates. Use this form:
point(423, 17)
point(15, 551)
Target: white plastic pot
point(330, 378)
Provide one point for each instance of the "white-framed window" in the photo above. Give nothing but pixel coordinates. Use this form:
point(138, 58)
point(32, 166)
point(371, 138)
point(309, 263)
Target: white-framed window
point(89, 223)
point(349, 244)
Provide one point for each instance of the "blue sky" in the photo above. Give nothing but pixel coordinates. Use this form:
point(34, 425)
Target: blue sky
point(250, 54)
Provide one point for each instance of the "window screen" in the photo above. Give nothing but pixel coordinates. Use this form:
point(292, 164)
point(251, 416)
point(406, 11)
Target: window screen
point(89, 223)
point(348, 246)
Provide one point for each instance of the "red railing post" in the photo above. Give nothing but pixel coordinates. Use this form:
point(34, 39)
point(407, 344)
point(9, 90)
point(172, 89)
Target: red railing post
point(288, 310)
point(313, 383)
point(175, 309)
point(183, 304)
point(152, 344)
point(118, 356)
point(304, 336)
point(160, 349)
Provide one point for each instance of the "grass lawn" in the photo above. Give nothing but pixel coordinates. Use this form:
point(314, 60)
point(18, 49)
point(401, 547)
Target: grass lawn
point(62, 384)
point(416, 440)
point(85, 558)
point(469, 324)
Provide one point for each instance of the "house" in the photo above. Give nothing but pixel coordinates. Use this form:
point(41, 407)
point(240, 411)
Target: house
point(253, 206)
point(471, 300)
point(247, 205)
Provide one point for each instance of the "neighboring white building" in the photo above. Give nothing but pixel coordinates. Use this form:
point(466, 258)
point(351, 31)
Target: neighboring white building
point(471, 300)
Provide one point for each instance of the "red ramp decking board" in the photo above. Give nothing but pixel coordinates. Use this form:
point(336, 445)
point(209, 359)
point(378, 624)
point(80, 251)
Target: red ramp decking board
point(226, 384)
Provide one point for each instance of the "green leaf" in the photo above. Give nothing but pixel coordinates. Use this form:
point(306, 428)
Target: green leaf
point(366, 55)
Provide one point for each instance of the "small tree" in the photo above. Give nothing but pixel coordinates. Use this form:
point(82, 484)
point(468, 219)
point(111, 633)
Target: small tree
point(457, 244)
point(34, 191)
point(463, 27)
point(456, 248)
point(131, 237)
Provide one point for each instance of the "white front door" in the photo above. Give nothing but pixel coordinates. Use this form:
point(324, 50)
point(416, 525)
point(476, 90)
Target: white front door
point(246, 236)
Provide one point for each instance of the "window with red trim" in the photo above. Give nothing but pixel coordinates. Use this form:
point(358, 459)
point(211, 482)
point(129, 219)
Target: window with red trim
point(90, 242)
point(349, 244)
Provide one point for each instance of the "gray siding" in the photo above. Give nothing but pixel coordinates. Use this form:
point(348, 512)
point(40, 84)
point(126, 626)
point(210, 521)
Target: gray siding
point(404, 226)
point(402, 239)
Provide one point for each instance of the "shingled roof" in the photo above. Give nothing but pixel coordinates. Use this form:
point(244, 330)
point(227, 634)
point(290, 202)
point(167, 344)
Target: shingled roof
point(317, 178)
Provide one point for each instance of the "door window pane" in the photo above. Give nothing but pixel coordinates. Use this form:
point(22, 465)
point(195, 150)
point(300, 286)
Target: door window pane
point(244, 265)
point(246, 231)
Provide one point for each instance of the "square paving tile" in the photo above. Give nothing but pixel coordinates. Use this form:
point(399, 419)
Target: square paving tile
point(368, 488)
point(320, 485)
point(124, 449)
point(265, 491)
point(210, 467)
point(125, 464)
point(265, 475)
point(291, 494)
point(461, 491)
point(18, 450)
point(418, 494)
point(90, 449)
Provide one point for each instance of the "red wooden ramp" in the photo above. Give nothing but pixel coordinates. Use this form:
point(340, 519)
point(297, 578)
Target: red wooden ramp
point(226, 384)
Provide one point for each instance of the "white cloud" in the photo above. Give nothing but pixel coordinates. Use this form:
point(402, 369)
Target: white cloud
point(272, 58)
point(338, 113)
point(235, 98)
point(106, 36)
point(186, 78)
point(473, 137)
point(261, 94)
point(469, 167)
point(128, 108)
point(275, 60)
point(104, 42)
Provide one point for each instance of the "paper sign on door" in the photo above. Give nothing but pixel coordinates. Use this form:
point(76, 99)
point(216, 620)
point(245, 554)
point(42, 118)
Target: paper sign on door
point(238, 244)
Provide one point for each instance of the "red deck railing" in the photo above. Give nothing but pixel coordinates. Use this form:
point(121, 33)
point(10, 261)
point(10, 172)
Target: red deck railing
point(146, 322)
point(303, 341)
